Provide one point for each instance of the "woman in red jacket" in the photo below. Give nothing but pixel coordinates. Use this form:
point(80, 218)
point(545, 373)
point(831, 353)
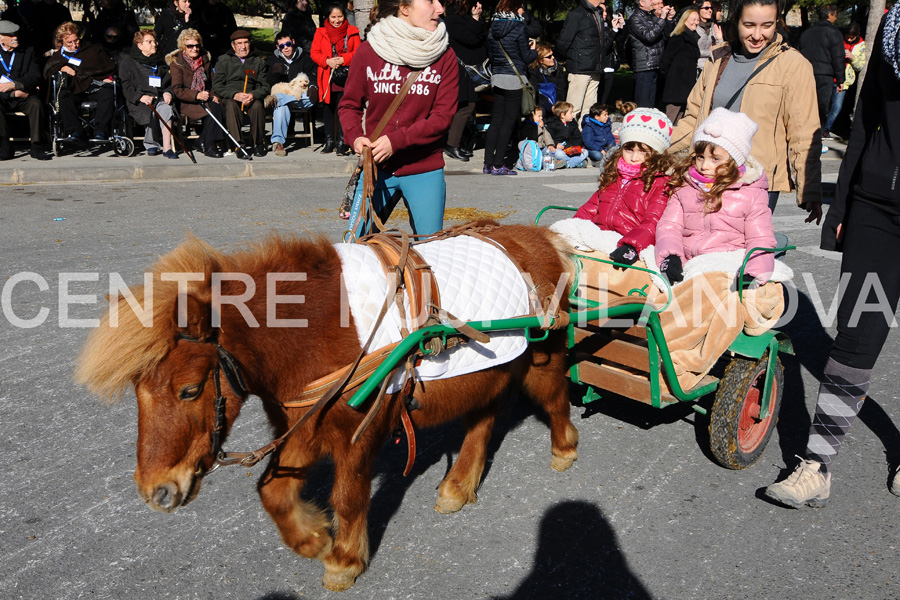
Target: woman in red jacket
point(405, 36)
point(333, 47)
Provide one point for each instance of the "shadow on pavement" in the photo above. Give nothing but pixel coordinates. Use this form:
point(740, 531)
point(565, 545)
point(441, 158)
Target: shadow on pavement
point(578, 556)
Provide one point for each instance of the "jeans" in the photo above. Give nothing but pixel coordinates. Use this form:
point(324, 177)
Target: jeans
point(571, 161)
point(424, 195)
point(645, 89)
point(281, 116)
point(595, 155)
point(837, 103)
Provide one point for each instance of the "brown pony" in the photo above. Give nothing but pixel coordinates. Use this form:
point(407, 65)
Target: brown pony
point(175, 380)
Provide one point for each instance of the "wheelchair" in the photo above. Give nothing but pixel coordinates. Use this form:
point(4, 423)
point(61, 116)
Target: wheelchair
point(120, 138)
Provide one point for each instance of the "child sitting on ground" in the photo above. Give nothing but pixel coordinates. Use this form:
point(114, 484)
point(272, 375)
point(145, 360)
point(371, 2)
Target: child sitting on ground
point(720, 202)
point(536, 150)
point(566, 135)
point(633, 191)
point(596, 130)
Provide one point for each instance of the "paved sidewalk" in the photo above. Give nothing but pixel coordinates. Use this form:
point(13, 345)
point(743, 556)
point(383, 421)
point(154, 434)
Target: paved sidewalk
point(92, 165)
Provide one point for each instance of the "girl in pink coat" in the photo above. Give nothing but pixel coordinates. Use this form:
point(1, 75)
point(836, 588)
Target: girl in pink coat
point(633, 192)
point(721, 200)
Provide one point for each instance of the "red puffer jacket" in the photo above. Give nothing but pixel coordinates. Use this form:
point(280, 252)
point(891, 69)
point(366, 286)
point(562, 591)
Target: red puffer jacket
point(624, 207)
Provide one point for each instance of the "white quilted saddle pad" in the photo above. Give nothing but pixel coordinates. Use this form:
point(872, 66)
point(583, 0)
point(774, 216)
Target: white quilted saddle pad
point(476, 281)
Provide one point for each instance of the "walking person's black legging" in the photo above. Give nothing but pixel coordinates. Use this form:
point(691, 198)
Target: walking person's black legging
point(504, 117)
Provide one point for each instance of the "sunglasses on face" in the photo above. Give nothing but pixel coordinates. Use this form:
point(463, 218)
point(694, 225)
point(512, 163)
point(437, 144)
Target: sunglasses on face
point(286, 45)
point(191, 46)
point(706, 8)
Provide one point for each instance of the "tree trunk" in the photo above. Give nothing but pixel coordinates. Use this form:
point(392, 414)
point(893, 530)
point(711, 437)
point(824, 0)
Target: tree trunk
point(362, 8)
point(876, 12)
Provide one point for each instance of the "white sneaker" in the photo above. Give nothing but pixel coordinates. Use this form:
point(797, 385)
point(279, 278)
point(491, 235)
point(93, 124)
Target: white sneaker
point(806, 485)
point(895, 483)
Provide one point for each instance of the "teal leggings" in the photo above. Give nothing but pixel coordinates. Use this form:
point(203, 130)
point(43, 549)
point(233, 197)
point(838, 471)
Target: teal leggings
point(424, 195)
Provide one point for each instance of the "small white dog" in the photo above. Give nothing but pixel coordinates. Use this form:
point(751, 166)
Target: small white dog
point(297, 88)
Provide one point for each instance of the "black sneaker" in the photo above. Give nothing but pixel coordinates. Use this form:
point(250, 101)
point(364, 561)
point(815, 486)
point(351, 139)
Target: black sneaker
point(260, 150)
point(99, 136)
point(39, 153)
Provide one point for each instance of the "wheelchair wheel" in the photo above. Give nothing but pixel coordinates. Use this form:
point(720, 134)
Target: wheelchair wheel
point(123, 146)
point(737, 436)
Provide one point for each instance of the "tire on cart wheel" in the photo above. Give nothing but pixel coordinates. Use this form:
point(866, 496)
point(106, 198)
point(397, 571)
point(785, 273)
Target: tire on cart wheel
point(123, 146)
point(737, 436)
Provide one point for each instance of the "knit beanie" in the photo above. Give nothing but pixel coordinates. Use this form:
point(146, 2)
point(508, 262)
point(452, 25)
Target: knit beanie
point(731, 131)
point(649, 126)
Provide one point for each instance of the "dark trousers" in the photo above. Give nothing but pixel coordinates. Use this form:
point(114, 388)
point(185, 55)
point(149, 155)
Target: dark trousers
point(871, 244)
point(33, 109)
point(70, 108)
point(605, 88)
point(504, 117)
point(211, 134)
point(645, 89)
point(256, 112)
point(333, 129)
point(824, 87)
point(459, 122)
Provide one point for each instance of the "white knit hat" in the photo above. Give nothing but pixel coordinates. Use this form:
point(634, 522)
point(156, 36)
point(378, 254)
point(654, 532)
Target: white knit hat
point(732, 131)
point(649, 126)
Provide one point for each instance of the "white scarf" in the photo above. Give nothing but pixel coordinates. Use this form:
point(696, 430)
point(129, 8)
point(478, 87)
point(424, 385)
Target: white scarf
point(399, 43)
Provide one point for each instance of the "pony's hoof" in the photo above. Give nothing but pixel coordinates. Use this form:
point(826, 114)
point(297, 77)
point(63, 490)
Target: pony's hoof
point(338, 582)
point(562, 463)
point(447, 506)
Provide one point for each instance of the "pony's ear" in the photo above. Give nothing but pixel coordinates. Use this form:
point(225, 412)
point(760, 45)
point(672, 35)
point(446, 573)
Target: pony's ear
point(198, 318)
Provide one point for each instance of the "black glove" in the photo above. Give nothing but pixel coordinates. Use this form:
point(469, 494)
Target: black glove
point(672, 269)
point(625, 254)
point(746, 281)
point(278, 68)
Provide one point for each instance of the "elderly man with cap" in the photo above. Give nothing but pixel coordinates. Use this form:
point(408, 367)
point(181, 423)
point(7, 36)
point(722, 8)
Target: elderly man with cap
point(240, 81)
point(19, 78)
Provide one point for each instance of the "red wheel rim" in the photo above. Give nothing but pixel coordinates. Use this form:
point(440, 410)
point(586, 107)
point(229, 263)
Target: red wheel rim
point(751, 430)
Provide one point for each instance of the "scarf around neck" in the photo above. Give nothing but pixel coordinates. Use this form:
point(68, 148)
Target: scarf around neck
point(627, 171)
point(399, 43)
point(892, 39)
point(198, 81)
point(336, 35)
point(154, 60)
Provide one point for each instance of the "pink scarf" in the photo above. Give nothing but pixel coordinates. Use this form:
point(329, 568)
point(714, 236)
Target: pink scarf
point(627, 171)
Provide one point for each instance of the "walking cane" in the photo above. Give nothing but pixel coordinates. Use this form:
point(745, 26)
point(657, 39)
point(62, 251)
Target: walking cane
point(247, 74)
point(225, 129)
point(175, 137)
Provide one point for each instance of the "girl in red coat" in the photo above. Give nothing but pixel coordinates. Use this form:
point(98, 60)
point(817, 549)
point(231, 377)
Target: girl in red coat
point(633, 192)
point(333, 47)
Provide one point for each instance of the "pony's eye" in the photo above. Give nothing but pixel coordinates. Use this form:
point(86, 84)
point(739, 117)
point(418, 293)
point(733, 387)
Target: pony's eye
point(190, 392)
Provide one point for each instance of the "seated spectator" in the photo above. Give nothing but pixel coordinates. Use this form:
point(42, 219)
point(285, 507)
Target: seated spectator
point(19, 80)
point(171, 22)
point(239, 79)
point(189, 67)
point(86, 73)
point(596, 131)
point(548, 77)
point(288, 62)
point(563, 128)
point(146, 83)
point(114, 43)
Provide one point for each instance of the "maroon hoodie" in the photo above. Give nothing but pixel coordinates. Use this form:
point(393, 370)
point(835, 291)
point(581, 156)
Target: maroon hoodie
point(418, 129)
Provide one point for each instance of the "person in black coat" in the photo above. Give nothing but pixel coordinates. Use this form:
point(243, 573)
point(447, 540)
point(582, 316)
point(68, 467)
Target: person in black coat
point(863, 223)
point(823, 46)
point(468, 38)
point(679, 64)
point(217, 26)
point(581, 46)
point(299, 23)
point(548, 78)
point(19, 79)
point(113, 14)
point(172, 21)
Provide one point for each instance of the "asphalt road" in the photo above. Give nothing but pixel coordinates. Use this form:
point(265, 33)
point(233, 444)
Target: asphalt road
point(644, 512)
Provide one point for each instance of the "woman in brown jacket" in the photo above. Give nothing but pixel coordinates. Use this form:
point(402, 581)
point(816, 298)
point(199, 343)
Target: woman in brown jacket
point(760, 75)
point(191, 84)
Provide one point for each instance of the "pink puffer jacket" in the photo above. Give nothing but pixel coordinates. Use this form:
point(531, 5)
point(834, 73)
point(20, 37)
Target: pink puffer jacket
point(743, 222)
point(626, 209)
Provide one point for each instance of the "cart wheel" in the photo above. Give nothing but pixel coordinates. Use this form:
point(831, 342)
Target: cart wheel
point(123, 146)
point(737, 436)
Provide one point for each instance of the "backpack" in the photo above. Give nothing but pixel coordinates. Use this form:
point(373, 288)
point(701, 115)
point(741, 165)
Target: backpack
point(547, 89)
point(530, 156)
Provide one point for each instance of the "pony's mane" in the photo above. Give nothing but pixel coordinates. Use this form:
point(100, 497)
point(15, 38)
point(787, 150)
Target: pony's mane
point(115, 357)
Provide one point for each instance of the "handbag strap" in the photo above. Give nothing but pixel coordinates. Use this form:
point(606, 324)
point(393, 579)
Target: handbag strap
point(740, 90)
point(512, 64)
point(369, 173)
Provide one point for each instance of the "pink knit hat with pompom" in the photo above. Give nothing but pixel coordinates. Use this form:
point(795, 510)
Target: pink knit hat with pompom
point(732, 131)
